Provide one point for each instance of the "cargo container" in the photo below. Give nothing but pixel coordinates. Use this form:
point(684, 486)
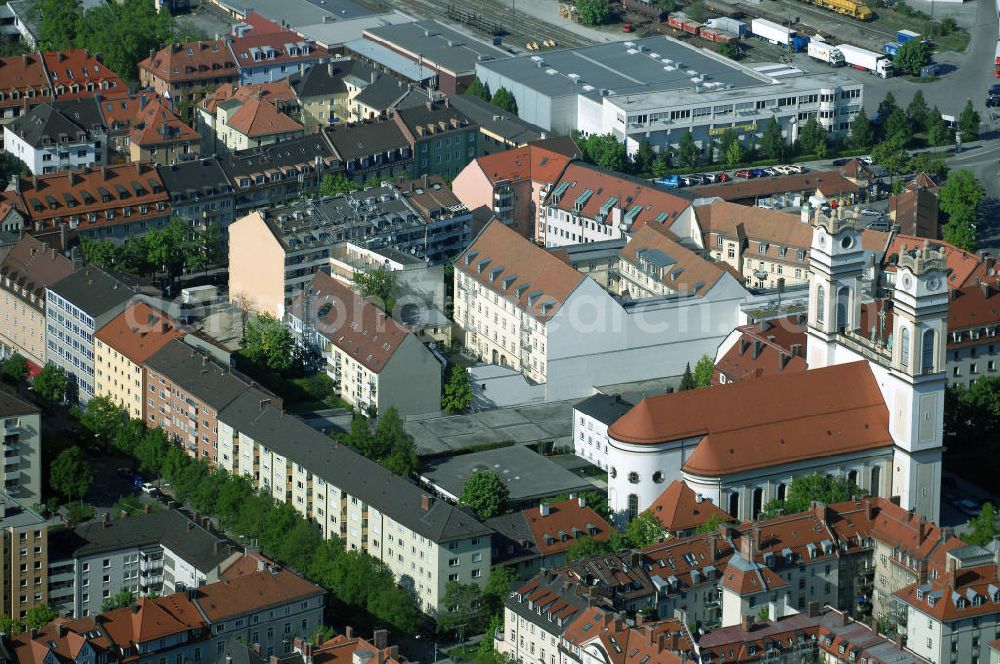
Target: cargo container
point(777, 34)
point(891, 49)
point(730, 25)
point(824, 52)
point(682, 22)
point(717, 36)
point(865, 60)
point(904, 36)
point(199, 294)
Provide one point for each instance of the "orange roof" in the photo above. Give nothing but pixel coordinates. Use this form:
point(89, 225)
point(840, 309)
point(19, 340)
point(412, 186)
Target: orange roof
point(350, 322)
point(647, 202)
point(556, 531)
point(657, 252)
point(341, 648)
point(82, 71)
point(954, 595)
point(749, 424)
point(518, 270)
point(621, 643)
point(274, 92)
point(529, 162)
point(191, 61)
point(257, 117)
point(138, 332)
point(119, 108)
point(748, 577)
point(156, 124)
point(777, 230)
point(22, 73)
point(150, 619)
point(261, 25)
point(678, 508)
point(765, 348)
point(964, 265)
point(275, 42)
point(974, 307)
point(268, 588)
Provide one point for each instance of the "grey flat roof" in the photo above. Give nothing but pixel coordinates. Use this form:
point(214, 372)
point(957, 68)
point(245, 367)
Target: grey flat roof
point(93, 290)
point(15, 515)
point(294, 13)
point(389, 59)
point(527, 474)
point(344, 30)
point(441, 46)
point(497, 121)
point(643, 65)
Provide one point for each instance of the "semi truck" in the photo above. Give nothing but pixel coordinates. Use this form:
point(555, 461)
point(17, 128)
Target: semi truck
point(865, 60)
point(825, 52)
point(778, 34)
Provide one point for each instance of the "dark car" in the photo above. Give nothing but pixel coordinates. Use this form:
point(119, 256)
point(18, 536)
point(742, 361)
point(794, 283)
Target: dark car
point(993, 100)
point(745, 174)
point(758, 172)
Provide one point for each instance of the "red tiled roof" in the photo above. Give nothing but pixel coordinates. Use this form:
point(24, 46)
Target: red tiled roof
point(964, 265)
point(21, 73)
point(650, 202)
point(777, 230)
point(955, 594)
point(350, 322)
point(687, 272)
point(138, 332)
point(191, 61)
point(257, 117)
point(974, 307)
point(273, 92)
point(763, 349)
point(529, 162)
point(150, 619)
point(78, 68)
point(564, 518)
point(621, 643)
point(678, 508)
point(275, 43)
point(235, 596)
point(156, 124)
point(748, 578)
point(260, 25)
point(749, 424)
point(519, 271)
point(341, 648)
point(120, 108)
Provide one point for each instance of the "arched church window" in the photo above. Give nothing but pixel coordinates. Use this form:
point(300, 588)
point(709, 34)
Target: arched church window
point(927, 356)
point(633, 506)
point(820, 303)
point(904, 347)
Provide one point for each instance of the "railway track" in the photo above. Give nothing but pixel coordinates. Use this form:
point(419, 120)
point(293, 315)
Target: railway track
point(823, 16)
point(523, 29)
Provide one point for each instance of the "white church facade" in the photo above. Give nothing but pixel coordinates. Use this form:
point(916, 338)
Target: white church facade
point(869, 408)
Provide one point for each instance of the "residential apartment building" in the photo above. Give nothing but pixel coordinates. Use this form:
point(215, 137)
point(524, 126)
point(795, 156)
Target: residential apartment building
point(247, 116)
point(156, 553)
point(25, 273)
point(766, 246)
point(373, 360)
point(499, 131)
point(110, 202)
point(516, 308)
point(324, 91)
point(597, 631)
point(265, 51)
point(200, 192)
point(58, 136)
point(536, 614)
point(591, 418)
point(973, 326)
point(425, 542)
point(160, 137)
point(371, 150)
point(76, 307)
point(121, 348)
point(574, 212)
point(274, 254)
point(178, 69)
point(22, 448)
point(954, 618)
point(24, 583)
point(382, 96)
point(513, 183)
point(350, 646)
point(442, 139)
point(268, 607)
point(186, 389)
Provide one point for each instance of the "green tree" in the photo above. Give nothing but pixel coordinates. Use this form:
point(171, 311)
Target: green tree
point(662, 163)
point(479, 89)
point(70, 475)
point(959, 198)
point(15, 369)
point(890, 154)
point(606, 151)
point(911, 57)
point(813, 138)
point(51, 384)
point(729, 50)
point(644, 529)
point(458, 394)
point(151, 450)
point(772, 143)
point(399, 451)
point(335, 183)
point(806, 489)
point(862, 134)
point(10, 626)
point(886, 106)
point(697, 11)
point(593, 12)
point(687, 379)
point(968, 123)
point(587, 547)
point(504, 100)
point(461, 609)
point(984, 527)
point(11, 167)
point(734, 154)
point(711, 525)
point(703, 371)
point(501, 582)
point(485, 494)
point(102, 417)
point(644, 157)
point(119, 600)
point(938, 131)
point(687, 151)
point(379, 283)
point(897, 126)
point(918, 111)
point(58, 23)
point(931, 163)
point(268, 343)
point(125, 33)
point(39, 616)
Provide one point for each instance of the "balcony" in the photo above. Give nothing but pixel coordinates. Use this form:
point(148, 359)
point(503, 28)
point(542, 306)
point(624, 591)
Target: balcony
point(11, 430)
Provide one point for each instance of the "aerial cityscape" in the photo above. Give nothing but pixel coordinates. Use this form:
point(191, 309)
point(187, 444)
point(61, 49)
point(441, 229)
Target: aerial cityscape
point(552, 332)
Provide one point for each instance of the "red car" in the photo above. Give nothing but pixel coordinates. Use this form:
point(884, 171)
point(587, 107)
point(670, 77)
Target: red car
point(723, 177)
point(746, 174)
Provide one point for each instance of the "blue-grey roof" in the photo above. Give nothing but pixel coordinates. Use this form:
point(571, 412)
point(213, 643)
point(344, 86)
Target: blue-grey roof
point(439, 45)
point(391, 60)
point(604, 408)
point(645, 65)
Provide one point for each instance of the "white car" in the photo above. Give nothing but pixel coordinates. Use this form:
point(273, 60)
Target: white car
point(866, 160)
point(785, 170)
point(149, 489)
point(870, 212)
point(798, 168)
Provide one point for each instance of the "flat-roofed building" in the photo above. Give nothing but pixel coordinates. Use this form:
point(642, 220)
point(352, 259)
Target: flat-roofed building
point(22, 448)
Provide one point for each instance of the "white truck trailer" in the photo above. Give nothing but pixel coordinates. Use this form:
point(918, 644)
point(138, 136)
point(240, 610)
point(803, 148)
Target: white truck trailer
point(824, 52)
point(870, 61)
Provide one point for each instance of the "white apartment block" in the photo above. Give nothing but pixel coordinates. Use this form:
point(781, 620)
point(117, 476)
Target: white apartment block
point(426, 542)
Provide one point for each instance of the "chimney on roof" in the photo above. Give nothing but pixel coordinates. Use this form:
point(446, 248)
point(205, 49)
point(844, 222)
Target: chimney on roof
point(60, 630)
point(819, 509)
point(712, 548)
point(393, 652)
point(987, 290)
point(922, 571)
point(60, 56)
point(699, 498)
point(264, 402)
point(543, 509)
point(190, 526)
point(758, 346)
point(34, 182)
point(640, 619)
point(923, 530)
point(425, 502)
point(581, 501)
point(747, 546)
point(746, 622)
point(135, 607)
point(349, 632)
point(380, 639)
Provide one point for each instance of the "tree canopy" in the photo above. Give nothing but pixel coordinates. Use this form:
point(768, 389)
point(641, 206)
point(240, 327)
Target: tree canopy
point(335, 183)
point(170, 249)
point(504, 100)
point(644, 529)
point(806, 489)
point(70, 474)
point(911, 57)
point(458, 393)
point(51, 383)
point(15, 369)
point(918, 111)
point(380, 284)
point(604, 150)
point(959, 198)
point(479, 89)
point(687, 150)
point(862, 134)
point(969, 123)
point(268, 343)
point(593, 12)
point(984, 527)
point(772, 143)
point(485, 494)
point(703, 371)
point(389, 444)
point(687, 379)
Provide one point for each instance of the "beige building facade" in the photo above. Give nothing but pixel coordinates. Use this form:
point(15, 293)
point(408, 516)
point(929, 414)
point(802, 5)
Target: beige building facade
point(261, 280)
point(24, 583)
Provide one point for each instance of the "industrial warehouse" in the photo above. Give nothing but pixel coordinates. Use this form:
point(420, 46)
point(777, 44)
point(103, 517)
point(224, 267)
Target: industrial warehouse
point(658, 88)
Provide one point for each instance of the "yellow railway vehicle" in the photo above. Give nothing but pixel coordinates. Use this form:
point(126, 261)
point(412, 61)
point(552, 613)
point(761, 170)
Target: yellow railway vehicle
point(852, 8)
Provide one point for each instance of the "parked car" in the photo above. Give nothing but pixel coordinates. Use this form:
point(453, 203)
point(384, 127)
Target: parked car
point(710, 177)
point(696, 179)
point(745, 173)
point(771, 170)
point(880, 224)
point(671, 181)
point(723, 177)
point(785, 170)
point(866, 160)
point(798, 168)
point(969, 507)
point(758, 172)
point(137, 481)
point(870, 212)
point(149, 489)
